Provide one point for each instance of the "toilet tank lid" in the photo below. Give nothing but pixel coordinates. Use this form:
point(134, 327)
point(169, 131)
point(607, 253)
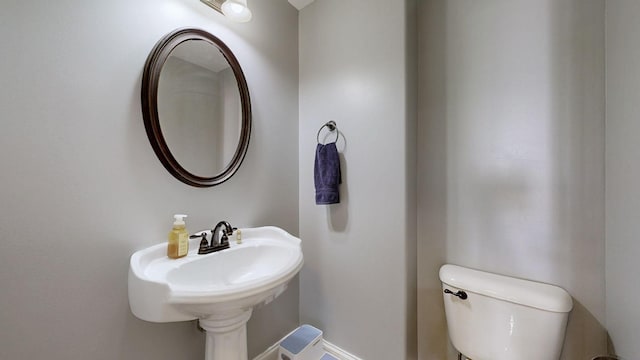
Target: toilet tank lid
point(519, 291)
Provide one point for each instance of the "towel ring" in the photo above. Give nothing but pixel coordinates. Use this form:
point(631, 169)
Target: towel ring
point(331, 125)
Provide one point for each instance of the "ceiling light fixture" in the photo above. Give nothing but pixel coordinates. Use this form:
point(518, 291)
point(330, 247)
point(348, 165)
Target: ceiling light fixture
point(236, 10)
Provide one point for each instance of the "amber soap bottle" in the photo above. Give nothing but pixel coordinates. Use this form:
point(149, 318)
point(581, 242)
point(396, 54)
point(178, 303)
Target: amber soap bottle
point(178, 238)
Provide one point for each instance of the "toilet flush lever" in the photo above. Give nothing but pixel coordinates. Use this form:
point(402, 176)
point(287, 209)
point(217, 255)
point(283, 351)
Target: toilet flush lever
point(461, 294)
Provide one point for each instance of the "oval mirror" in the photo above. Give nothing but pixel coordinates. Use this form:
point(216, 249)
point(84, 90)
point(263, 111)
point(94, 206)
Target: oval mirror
point(196, 107)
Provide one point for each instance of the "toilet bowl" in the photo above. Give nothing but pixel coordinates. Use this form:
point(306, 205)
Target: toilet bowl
point(496, 317)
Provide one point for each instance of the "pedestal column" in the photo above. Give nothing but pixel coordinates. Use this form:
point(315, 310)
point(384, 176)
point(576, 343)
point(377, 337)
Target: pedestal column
point(226, 336)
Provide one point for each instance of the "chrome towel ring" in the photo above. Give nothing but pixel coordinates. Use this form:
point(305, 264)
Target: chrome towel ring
point(331, 125)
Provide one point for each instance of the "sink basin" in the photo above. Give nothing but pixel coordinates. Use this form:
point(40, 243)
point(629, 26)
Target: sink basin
point(220, 289)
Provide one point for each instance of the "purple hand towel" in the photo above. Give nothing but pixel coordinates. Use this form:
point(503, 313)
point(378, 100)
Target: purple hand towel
point(326, 174)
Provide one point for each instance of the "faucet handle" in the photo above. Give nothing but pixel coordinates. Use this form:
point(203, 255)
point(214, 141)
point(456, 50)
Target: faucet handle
point(224, 240)
point(204, 243)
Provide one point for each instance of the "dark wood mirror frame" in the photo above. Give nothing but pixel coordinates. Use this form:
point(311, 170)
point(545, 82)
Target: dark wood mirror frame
point(150, 81)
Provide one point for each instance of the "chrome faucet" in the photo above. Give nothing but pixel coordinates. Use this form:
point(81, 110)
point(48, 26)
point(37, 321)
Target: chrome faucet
point(217, 242)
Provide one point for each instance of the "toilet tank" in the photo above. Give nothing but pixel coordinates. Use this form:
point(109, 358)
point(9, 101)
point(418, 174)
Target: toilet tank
point(504, 318)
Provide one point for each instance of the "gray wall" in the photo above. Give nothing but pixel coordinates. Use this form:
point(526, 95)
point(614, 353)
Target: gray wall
point(511, 154)
point(510, 167)
point(623, 176)
point(82, 188)
point(358, 283)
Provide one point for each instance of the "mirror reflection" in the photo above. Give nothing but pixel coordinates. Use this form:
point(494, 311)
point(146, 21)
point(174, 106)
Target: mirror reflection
point(199, 108)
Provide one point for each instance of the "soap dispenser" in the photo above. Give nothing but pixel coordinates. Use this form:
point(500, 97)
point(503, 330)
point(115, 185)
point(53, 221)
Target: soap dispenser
point(178, 238)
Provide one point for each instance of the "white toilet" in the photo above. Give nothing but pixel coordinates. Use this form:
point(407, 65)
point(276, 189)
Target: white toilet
point(495, 317)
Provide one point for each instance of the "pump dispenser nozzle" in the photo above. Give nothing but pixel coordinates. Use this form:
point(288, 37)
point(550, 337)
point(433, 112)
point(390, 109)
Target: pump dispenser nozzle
point(179, 219)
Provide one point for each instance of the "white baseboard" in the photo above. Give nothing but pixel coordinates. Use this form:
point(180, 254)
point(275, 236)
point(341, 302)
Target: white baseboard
point(272, 352)
point(338, 352)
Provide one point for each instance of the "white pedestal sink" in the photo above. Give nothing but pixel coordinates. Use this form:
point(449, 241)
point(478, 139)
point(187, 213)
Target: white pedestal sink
point(220, 289)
